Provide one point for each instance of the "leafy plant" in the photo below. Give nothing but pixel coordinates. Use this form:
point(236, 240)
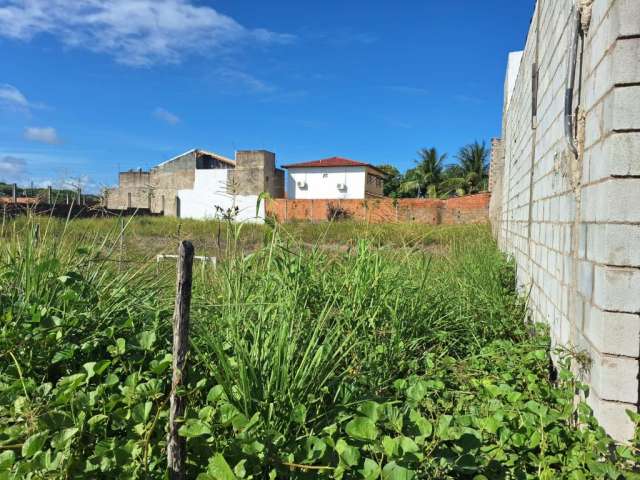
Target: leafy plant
point(369, 363)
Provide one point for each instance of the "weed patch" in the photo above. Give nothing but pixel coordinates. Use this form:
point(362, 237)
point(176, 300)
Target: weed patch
point(374, 362)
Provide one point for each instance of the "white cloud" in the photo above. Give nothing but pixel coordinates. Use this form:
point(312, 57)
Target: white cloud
point(134, 32)
point(12, 168)
point(244, 82)
point(166, 116)
point(42, 134)
point(12, 98)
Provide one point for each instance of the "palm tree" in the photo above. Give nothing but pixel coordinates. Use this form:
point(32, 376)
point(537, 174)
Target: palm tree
point(426, 176)
point(472, 172)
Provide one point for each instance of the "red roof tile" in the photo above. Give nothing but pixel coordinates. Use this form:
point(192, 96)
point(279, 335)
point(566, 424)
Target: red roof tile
point(332, 162)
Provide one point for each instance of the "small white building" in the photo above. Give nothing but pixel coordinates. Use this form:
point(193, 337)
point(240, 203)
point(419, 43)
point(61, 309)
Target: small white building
point(334, 178)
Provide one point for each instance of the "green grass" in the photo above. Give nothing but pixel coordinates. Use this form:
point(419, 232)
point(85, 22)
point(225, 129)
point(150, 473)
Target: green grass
point(147, 236)
point(317, 351)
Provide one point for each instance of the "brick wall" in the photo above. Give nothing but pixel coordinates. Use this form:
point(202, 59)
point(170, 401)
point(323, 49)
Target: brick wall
point(469, 209)
point(572, 223)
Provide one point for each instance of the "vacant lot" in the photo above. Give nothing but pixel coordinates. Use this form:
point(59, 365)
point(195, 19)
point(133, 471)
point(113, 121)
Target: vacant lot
point(317, 351)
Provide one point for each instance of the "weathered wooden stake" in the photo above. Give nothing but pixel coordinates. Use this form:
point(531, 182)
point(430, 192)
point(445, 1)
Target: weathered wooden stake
point(176, 445)
point(49, 195)
point(36, 233)
point(14, 193)
point(121, 243)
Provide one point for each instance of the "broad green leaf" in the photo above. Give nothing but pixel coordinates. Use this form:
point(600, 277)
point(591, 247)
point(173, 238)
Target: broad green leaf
point(227, 413)
point(219, 469)
point(89, 367)
point(64, 355)
point(96, 420)
point(424, 425)
point(370, 409)
point(141, 412)
point(194, 428)
point(7, 459)
point(392, 471)
point(33, 444)
point(444, 422)
point(119, 348)
point(160, 366)
point(239, 470)
point(316, 448)
point(371, 470)
point(216, 393)
point(348, 454)
point(407, 445)
point(391, 447)
point(253, 448)
point(417, 391)
point(62, 439)
point(147, 339)
point(534, 440)
point(362, 428)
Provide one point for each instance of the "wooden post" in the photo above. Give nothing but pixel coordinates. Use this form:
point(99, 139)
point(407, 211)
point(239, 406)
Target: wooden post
point(286, 213)
point(36, 233)
point(311, 211)
point(176, 445)
point(14, 193)
point(49, 195)
point(79, 196)
point(121, 243)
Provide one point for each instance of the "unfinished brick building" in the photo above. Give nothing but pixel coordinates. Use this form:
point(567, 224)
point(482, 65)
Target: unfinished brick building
point(194, 183)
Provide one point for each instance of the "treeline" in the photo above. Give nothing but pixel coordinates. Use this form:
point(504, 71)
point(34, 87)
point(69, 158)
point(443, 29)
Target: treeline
point(433, 178)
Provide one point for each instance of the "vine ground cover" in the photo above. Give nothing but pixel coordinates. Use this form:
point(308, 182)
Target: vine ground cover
point(373, 362)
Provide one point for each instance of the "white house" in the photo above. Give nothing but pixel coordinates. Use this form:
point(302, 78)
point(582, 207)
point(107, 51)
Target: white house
point(334, 178)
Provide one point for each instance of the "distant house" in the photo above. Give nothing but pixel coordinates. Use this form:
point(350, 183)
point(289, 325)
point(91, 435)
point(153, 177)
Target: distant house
point(197, 184)
point(334, 178)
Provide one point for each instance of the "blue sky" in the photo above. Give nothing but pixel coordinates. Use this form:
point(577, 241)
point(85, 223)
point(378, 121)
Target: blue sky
point(90, 86)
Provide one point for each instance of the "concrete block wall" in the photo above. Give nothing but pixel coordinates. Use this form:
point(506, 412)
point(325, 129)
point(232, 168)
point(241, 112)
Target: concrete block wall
point(256, 172)
point(573, 224)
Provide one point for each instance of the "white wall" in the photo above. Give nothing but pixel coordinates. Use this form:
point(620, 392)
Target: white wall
point(572, 224)
point(513, 67)
point(319, 187)
point(209, 191)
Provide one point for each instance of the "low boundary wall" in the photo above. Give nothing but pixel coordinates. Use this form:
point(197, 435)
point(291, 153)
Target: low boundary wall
point(468, 209)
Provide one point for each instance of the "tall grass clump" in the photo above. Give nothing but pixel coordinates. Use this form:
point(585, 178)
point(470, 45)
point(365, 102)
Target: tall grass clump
point(284, 330)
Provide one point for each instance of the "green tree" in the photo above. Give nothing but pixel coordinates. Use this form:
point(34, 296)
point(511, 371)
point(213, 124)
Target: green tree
point(425, 177)
point(471, 174)
point(393, 180)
